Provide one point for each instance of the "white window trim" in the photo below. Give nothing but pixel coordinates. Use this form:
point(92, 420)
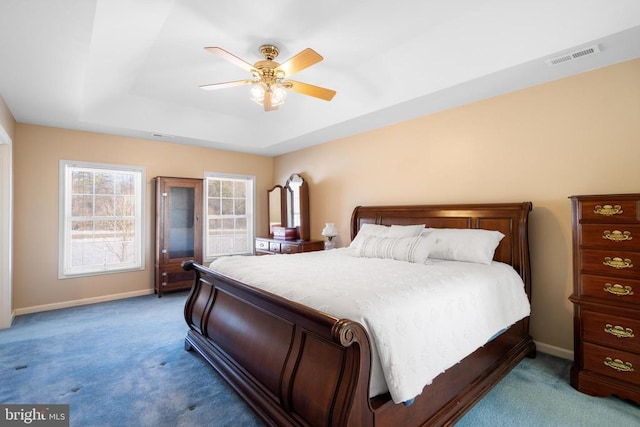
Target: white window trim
point(6, 228)
point(251, 178)
point(63, 208)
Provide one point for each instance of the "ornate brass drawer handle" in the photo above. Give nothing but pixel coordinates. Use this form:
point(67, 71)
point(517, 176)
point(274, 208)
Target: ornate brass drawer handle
point(617, 236)
point(619, 331)
point(618, 290)
point(617, 262)
point(608, 210)
point(618, 365)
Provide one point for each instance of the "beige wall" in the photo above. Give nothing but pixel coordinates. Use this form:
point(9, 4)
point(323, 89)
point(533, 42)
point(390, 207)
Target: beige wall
point(37, 152)
point(579, 135)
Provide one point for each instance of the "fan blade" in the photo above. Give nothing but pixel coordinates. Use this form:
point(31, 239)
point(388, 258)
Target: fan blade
point(214, 86)
point(230, 57)
point(267, 102)
point(311, 90)
point(299, 62)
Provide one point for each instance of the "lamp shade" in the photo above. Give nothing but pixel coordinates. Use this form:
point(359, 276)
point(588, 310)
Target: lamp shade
point(330, 230)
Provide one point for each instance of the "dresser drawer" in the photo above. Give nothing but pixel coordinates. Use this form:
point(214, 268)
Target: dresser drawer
point(610, 262)
point(287, 248)
point(284, 248)
point(611, 331)
point(262, 245)
point(612, 363)
point(614, 290)
point(274, 247)
point(610, 210)
point(623, 237)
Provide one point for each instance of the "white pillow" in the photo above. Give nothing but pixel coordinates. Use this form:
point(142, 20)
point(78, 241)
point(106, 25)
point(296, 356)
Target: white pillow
point(369, 230)
point(386, 231)
point(405, 230)
point(463, 244)
point(410, 249)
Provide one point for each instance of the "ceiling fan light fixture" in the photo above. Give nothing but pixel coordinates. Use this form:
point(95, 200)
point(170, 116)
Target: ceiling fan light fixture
point(257, 93)
point(278, 94)
point(269, 79)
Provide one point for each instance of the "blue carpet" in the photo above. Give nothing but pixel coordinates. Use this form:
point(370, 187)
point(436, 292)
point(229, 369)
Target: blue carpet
point(118, 363)
point(537, 393)
point(123, 363)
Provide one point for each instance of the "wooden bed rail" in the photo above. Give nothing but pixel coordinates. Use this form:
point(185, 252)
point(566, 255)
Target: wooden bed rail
point(296, 364)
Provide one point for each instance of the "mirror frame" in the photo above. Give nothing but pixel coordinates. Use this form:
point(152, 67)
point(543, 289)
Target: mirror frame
point(304, 229)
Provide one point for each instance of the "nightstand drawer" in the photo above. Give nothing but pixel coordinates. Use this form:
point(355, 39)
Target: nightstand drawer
point(612, 331)
point(615, 290)
point(622, 237)
point(610, 210)
point(610, 262)
point(612, 363)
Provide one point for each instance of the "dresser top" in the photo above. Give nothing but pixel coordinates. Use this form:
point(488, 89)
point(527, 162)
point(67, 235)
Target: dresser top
point(607, 196)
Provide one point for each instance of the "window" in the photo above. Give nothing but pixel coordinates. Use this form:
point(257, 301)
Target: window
point(229, 225)
point(101, 218)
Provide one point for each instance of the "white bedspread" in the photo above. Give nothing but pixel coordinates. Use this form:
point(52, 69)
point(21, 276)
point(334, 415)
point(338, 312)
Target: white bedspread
point(422, 318)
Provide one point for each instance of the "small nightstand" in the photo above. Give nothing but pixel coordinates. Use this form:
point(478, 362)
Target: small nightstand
point(269, 245)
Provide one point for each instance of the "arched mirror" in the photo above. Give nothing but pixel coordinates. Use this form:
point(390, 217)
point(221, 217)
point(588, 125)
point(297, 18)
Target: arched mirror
point(296, 192)
point(276, 207)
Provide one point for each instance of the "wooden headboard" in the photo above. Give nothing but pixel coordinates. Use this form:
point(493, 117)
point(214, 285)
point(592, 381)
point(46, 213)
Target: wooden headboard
point(511, 219)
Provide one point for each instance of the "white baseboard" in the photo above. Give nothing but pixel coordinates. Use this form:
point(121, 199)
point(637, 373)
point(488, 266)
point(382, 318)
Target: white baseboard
point(553, 350)
point(9, 321)
point(84, 301)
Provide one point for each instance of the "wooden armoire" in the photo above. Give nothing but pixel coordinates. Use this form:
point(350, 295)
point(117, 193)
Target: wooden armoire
point(178, 231)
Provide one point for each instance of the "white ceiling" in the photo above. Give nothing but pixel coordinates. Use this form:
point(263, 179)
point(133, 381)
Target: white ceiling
point(133, 67)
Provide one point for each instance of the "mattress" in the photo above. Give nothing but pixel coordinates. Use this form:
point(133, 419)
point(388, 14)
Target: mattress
point(421, 318)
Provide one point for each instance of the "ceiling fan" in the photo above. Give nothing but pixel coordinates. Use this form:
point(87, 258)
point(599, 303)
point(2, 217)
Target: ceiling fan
point(271, 79)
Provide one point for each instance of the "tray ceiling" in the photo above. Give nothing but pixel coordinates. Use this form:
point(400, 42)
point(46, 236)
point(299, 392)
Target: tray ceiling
point(133, 67)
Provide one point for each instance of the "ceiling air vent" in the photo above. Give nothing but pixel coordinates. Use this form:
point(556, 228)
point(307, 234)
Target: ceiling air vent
point(573, 55)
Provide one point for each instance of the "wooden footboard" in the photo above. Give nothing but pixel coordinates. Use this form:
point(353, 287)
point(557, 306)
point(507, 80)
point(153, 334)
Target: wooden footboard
point(292, 364)
point(297, 366)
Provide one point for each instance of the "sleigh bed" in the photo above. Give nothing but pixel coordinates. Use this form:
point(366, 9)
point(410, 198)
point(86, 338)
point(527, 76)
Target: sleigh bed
point(296, 365)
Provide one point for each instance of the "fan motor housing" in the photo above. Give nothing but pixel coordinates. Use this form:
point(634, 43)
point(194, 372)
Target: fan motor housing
point(269, 51)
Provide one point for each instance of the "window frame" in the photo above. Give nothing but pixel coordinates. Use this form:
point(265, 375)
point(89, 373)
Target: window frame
point(251, 217)
point(66, 168)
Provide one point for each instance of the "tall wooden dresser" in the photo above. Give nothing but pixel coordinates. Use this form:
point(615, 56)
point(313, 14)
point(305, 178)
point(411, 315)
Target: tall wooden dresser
point(606, 295)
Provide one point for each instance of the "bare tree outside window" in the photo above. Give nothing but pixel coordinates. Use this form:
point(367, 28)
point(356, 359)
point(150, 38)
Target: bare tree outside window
point(103, 220)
